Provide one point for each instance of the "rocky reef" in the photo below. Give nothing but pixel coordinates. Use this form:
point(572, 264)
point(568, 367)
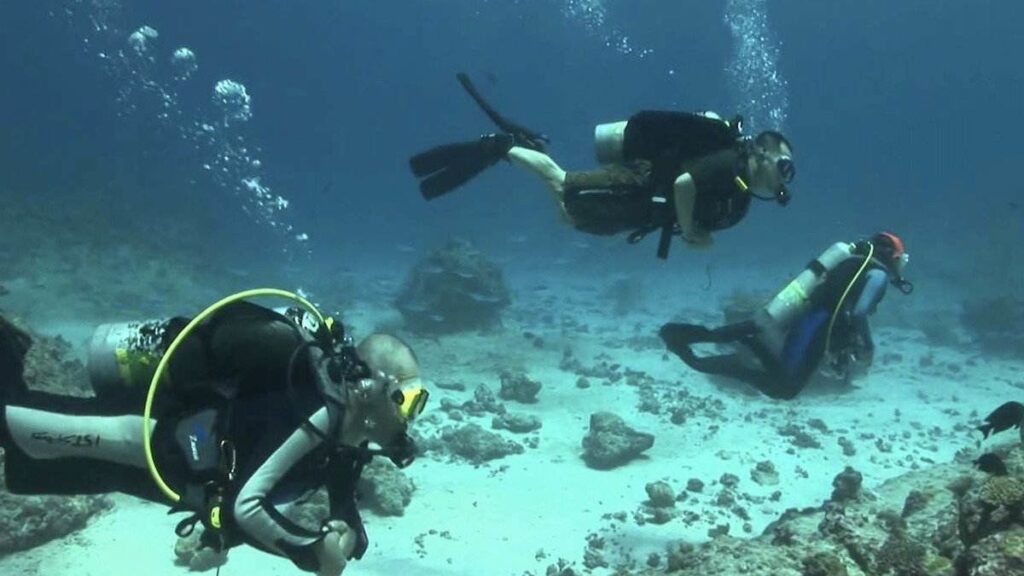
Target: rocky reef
point(946, 520)
point(453, 289)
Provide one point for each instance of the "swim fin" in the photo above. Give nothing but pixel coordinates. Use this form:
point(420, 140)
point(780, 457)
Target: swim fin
point(524, 137)
point(446, 167)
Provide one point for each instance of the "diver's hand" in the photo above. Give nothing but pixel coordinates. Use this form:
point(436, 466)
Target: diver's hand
point(335, 548)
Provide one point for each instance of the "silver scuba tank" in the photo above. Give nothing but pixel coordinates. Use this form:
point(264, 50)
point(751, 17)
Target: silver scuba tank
point(776, 317)
point(608, 139)
point(123, 356)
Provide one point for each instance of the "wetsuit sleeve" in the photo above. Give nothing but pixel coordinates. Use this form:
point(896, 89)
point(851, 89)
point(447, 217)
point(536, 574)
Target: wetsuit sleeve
point(254, 512)
point(720, 203)
point(875, 282)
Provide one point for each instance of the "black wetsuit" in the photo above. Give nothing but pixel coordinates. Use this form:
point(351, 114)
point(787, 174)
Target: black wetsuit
point(784, 377)
point(636, 195)
point(236, 362)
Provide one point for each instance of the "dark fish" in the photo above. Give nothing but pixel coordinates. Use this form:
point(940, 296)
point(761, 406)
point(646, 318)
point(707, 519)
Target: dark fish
point(989, 463)
point(1007, 416)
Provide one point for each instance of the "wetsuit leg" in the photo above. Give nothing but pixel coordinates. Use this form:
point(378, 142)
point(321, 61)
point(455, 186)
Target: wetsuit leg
point(771, 379)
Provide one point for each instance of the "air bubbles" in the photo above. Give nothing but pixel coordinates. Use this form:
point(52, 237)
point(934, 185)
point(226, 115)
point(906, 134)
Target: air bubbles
point(183, 63)
point(760, 91)
point(233, 101)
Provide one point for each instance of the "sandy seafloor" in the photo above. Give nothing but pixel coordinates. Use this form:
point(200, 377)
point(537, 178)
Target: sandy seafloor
point(519, 514)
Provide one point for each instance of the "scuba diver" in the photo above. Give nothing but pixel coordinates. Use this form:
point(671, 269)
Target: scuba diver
point(675, 172)
point(231, 416)
point(822, 312)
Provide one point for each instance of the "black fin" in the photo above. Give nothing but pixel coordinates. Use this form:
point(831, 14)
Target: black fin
point(444, 168)
point(440, 157)
point(524, 137)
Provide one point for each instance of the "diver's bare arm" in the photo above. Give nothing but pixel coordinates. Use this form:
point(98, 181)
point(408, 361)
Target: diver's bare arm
point(684, 191)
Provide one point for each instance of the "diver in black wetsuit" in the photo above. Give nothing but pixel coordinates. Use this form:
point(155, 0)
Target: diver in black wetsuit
point(823, 312)
point(675, 172)
point(255, 408)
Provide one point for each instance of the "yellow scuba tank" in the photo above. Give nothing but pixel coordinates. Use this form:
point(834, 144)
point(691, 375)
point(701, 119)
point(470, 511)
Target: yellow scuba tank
point(792, 301)
point(123, 356)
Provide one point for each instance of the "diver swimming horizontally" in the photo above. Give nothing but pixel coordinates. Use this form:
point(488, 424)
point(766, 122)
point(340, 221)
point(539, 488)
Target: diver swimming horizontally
point(821, 313)
point(228, 416)
point(673, 172)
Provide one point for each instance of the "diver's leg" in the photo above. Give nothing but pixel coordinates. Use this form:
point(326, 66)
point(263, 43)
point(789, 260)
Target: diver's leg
point(543, 166)
point(56, 453)
point(50, 435)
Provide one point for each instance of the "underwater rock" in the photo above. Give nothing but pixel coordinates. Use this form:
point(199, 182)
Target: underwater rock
point(189, 551)
point(453, 289)
point(846, 485)
point(483, 402)
point(660, 494)
point(611, 443)
point(798, 436)
point(764, 474)
point(385, 488)
point(477, 445)
point(518, 423)
point(518, 387)
point(29, 521)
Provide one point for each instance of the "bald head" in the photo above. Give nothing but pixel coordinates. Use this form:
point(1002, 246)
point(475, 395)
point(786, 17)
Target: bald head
point(390, 355)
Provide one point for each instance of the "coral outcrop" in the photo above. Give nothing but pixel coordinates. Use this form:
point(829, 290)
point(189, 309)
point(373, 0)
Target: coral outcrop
point(453, 289)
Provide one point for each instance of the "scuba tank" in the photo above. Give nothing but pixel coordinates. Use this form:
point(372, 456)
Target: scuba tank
point(123, 356)
point(775, 318)
point(608, 140)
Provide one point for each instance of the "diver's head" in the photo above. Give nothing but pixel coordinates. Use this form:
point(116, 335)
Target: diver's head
point(890, 251)
point(771, 165)
point(383, 403)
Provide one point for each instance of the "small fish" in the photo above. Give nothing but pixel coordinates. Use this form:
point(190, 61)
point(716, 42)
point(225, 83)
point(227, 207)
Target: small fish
point(405, 248)
point(518, 239)
point(989, 463)
point(1007, 416)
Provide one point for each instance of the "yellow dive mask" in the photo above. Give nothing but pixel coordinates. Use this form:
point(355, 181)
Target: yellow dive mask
point(411, 399)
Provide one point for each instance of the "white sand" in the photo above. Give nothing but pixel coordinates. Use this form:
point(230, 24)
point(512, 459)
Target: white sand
point(521, 513)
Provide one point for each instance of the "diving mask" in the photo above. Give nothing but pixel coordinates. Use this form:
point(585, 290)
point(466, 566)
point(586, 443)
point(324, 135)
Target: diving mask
point(411, 399)
point(786, 168)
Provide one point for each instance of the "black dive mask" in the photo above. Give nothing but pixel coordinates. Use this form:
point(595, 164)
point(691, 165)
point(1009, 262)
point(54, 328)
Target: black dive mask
point(786, 168)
